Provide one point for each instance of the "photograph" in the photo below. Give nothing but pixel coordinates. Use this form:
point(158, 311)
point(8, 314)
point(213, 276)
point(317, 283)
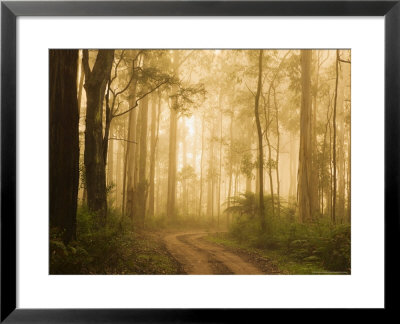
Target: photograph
point(199, 161)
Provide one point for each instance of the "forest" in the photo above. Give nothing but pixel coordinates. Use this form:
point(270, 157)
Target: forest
point(186, 161)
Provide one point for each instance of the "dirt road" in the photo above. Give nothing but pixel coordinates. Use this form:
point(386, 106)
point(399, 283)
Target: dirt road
point(197, 256)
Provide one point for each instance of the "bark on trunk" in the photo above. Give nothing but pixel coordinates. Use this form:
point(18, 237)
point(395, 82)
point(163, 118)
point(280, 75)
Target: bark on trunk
point(277, 155)
point(220, 162)
point(201, 166)
point(334, 140)
point(260, 143)
point(95, 85)
point(305, 163)
point(131, 153)
point(172, 156)
point(142, 187)
point(210, 192)
point(172, 164)
point(341, 170)
point(314, 177)
point(64, 142)
point(110, 163)
point(153, 143)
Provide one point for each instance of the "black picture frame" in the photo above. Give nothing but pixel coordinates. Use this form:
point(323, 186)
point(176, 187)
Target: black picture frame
point(9, 13)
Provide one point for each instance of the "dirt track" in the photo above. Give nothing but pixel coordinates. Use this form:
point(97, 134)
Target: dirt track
point(198, 256)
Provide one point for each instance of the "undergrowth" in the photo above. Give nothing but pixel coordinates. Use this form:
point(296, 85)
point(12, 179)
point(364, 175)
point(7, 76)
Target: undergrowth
point(112, 249)
point(316, 245)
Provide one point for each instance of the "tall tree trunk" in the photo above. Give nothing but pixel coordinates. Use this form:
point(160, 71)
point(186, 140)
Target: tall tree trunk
point(260, 142)
point(120, 175)
point(125, 168)
point(172, 156)
point(220, 162)
point(137, 155)
point(334, 140)
point(158, 204)
point(277, 154)
point(249, 140)
point(210, 192)
point(95, 85)
point(153, 137)
point(194, 187)
point(305, 191)
point(80, 86)
point(201, 165)
point(341, 170)
point(142, 187)
point(110, 164)
point(292, 156)
point(130, 157)
point(230, 165)
point(330, 190)
point(183, 134)
point(158, 198)
point(271, 184)
point(64, 142)
point(110, 159)
point(327, 126)
point(349, 178)
point(314, 153)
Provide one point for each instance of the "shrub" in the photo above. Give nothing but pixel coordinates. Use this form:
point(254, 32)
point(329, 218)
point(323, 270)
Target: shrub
point(97, 249)
point(320, 242)
point(336, 252)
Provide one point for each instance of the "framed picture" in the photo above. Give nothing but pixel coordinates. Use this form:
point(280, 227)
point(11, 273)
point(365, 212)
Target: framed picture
point(147, 146)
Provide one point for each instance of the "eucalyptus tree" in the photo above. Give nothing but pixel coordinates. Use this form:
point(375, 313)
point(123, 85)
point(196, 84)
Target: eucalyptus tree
point(305, 192)
point(95, 85)
point(64, 142)
point(260, 141)
point(182, 98)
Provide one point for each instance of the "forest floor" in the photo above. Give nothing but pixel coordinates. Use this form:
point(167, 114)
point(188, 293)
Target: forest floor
point(198, 255)
point(280, 261)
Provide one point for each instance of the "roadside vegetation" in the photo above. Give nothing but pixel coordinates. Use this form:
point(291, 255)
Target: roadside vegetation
point(110, 249)
point(295, 248)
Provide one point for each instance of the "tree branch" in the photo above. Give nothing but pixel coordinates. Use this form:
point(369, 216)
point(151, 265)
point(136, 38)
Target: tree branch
point(249, 89)
point(116, 66)
point(140, 98)
point(116, 94)
point(343, 61)
point(130, 80)
point(184, 59)
point(122, 139)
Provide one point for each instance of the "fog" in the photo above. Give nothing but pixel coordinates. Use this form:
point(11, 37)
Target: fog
point(205, 138)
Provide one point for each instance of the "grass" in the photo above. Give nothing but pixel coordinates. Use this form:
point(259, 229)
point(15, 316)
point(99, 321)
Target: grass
point(113, 249)
point(298, 248)
point(285, 263)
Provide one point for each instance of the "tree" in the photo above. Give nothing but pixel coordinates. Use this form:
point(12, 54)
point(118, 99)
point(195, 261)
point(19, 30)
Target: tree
point(142, 186)
point(155, 124)
point(201, 163)
point(64, 142)
point(334, 140)
point(305, 192)
point(182, 100)
point(211, 173)
point(172, 163)
point(130, 157)
point(95, 86)
point(278, 135)
point(260, 143)
point(173, 126)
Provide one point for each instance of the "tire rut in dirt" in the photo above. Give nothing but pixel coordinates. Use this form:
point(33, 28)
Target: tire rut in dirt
point(217, 266)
